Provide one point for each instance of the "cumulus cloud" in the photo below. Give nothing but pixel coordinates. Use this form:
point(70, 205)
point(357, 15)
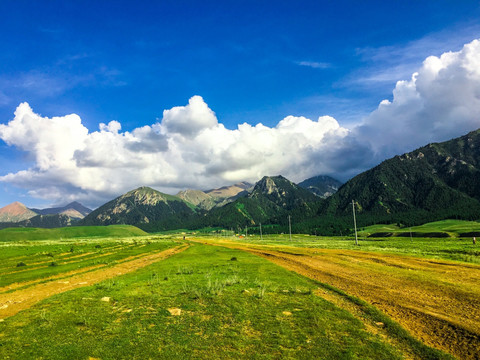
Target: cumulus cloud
point(187, 148)
point(52, 141)
point(190, 148)
point(191, 119)
point(439, 102)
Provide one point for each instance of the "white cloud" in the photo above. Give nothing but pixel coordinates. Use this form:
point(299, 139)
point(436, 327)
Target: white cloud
point(52, 141)
point(439, 102)
point(189, 120)
point(188, 148)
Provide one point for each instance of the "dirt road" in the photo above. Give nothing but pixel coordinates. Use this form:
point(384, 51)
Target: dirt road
point(23, 298)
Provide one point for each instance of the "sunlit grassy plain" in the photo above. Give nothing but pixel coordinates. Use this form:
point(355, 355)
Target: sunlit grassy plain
point(232, 304)
point(453, 247)
point(74, 232)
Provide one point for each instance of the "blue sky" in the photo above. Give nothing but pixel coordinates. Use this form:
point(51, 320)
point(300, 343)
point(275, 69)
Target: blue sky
point(253, 62)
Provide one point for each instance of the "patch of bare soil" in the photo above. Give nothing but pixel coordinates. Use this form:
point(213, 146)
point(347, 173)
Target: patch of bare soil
point(13, 302)
point(436, 301)
point(373, 327)
point(50, 278)
point(46, 264)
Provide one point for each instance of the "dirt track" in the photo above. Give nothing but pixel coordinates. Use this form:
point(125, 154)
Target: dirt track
point(436, 301)
point(13, 302)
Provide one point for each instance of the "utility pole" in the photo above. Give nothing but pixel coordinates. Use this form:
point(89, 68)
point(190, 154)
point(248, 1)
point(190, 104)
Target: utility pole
point(246, 231)
point(355, 222)
point(290, 227)
point(261, 236)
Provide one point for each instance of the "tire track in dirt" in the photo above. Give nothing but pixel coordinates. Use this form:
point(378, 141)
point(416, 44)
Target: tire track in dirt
point(17, 285)
point(64, 275)
point(66, 256)
point(445, 325)
point(14, 302)
point(46, 264)
point(436, 301)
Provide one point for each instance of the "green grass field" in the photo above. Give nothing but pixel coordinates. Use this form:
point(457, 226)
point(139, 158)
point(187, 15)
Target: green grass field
point(439, 248)
point(232, 304)
point(35, 260)
point(453, 228)
point(449, 248)
point(205, 302)
point(112, 231)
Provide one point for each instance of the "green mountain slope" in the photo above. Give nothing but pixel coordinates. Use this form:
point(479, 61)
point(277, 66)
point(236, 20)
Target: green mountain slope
point(74, 210)
point(435, 182)
point(48, 221)
point(271, 201)
point(215, 197)
point(197, 198)
point(322, 185)
point(141, 206)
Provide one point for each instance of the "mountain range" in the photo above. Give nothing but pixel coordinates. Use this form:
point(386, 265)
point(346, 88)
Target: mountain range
point(321, 185)
point(270, 201)
point(229, 206)
point(216, 197)
point(75, 210)
point(17, 214)
point(434, 182)
point(437, 181)
point(139, 207)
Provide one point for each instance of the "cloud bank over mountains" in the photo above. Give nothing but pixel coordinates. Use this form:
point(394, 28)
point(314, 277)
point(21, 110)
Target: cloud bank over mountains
point(189, 147)
point(439, 102)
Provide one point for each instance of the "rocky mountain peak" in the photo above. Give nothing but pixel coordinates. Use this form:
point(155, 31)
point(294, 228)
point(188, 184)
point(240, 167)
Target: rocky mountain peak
point(15, 212)
point(145, 196)
point(273, 185)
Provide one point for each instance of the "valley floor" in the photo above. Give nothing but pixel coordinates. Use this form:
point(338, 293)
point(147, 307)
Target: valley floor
point(436, 300)
point(205, 297)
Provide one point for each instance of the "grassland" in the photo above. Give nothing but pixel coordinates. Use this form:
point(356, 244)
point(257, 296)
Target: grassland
point(451, 228)
point(35, 261)
point(453, 247)
point(157, 296)
point(112, 231)
point(200, 303)
point(458, 249)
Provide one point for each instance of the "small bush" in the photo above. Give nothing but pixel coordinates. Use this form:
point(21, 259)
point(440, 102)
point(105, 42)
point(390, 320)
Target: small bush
point(184, 271)
point(234, 259)
point(97, 246)
point(21, 263)
point(53, 263)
